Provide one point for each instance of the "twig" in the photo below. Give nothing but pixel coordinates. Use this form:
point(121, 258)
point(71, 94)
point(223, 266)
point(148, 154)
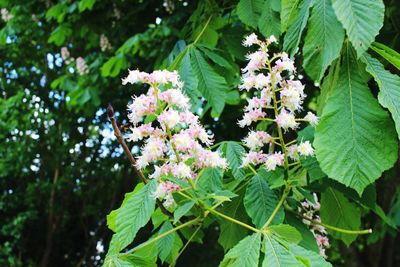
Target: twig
point(118, 135)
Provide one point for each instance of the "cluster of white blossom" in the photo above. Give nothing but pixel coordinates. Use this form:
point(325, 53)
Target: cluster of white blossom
point(174, 140)
point(309, 210)
point(66, 56)
point(5, 15)
point(104, 43)
point(277, 92)
point(81, 66)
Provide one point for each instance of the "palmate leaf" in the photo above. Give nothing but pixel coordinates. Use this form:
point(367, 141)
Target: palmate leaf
point(362, 20)
point(249, 11)
point(168, 246)
point(133, 214)
point(337, 210)
point(245, 254)
point(355, 140)
point(293, 35)
point(389, 85)
point(323, 40)
point(234, 154)
point(212, 86)
point(260, 201)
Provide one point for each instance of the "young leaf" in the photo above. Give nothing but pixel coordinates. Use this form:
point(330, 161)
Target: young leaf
point(249, 11)
point(387, 53)
point(362, 20)
point(260, 201)
point(337, 210)
point(355, 140)
point(293, 35)
point(323, 40)
point(133, 214)
point(269, 22)
point(389, 84)
point(245, 254)
point(212, 86)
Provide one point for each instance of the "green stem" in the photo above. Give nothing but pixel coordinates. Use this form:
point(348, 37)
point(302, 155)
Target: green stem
point(327, 226)
point(275, 211)
point(186, 245)
point(245, 225)
point(161, 236)
point(202, 30)
point(252, 169)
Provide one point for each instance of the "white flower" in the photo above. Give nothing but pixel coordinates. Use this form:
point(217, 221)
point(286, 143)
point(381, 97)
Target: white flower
point(272, 39)
point(305, 149)
point(181, 170)
point(257, 139)
point(274, 160)
point(175, 97)
point(169, 118)
point(250, 40)
point(286, 120)
point(312, 119)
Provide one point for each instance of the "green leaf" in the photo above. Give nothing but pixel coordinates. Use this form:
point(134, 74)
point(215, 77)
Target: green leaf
point(86, 4)
point(278, 255)
point(323, 40)
point(286, 232)
point(134, 213)
point(190, 81)
point(312, 258)
point(293, 35)
point(289, 10)
point(329, 83)
point(212, 86)
point(57, 12)
point(307, 238)
point(387, 53)
point(234, 154)
point(213, 55)
point(157, 218)
point(269, 22)
point(389, 85)
point(59, 35)
point(355, 140)
point(249, 11)
point(182, 210)
point(338, 211)
point(113, 66)
point(231, 233)
point(260, 201)
point(210, 179)
point(275, 179)
point(245, 254)
point(362, 20)
point(168, 246)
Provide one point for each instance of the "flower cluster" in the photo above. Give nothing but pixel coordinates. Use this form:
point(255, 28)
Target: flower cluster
point(81, 66)
point(277, 98)
point(104, 43)
point(309, 210)
point(66, 56)
point(174, 140)
point(5, 15)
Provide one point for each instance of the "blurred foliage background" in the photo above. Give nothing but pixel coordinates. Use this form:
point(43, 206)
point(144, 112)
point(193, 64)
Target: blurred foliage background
point(61, 169)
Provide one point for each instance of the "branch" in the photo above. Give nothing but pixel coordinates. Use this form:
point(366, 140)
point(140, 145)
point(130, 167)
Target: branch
point(118, 135)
